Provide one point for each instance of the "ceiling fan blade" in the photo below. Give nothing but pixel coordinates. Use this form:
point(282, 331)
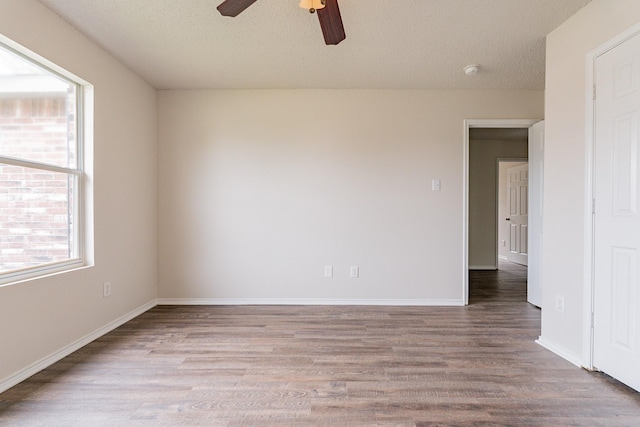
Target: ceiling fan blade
point(331, 22)
point(234, 7)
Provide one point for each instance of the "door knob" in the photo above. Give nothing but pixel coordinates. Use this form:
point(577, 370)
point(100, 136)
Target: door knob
point(507, 219)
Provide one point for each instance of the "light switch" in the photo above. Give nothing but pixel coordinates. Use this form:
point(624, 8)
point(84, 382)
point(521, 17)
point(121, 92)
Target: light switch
point(328, 271)
point(435, 185)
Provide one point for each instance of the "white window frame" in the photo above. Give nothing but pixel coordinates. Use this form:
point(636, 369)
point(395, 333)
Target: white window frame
point(83, 113)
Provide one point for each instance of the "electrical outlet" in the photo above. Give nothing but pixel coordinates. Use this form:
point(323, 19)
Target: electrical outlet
point(559, 303)
point(106, 289)
point(354, 272)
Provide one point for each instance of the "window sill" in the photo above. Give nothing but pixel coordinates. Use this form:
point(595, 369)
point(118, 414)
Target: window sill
point(42, 272)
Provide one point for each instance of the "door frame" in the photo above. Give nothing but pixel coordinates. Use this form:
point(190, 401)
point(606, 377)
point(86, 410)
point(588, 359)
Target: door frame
point(468, 124)
point(589, 223)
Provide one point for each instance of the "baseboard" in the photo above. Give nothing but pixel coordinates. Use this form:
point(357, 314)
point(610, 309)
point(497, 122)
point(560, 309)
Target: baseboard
point(47, 361)
point(554, 349)
point(308, 301)
point(483, 267)
point(503, 258)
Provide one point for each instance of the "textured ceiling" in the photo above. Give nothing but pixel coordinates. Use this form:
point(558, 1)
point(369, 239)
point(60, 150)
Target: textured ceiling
point(390, 44)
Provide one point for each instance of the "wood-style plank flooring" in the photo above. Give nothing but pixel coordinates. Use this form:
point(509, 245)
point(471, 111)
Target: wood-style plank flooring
point(326, 365)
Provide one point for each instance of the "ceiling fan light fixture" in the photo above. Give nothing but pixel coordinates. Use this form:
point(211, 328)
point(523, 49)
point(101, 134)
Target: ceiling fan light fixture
point(312, 5)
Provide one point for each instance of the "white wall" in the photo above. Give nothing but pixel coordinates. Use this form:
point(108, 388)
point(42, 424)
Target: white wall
point(259, 190)
point(565, 161)
point(483, 157)
point(42, 317)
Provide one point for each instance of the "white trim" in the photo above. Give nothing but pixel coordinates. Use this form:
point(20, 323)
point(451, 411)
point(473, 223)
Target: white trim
point(558, 351)
point(589, 245)
point(483, 267)
point(477, 123)
point(42, 271)
point(39, 165)
point(32, 56)
point(80, 233)
point(503, 258)
point(588, 285)
point(465, 213)
point(54, 357)
point(309, 301)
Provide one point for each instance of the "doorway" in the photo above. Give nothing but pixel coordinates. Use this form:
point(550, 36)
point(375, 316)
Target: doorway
point(475, 254)
point(512, 218)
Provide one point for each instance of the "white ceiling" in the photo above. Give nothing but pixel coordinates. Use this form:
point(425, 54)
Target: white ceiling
point(390, 44)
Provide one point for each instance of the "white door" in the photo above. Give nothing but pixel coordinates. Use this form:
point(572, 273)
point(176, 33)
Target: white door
point(536, 191)
point(616, 332)
point(518, 201)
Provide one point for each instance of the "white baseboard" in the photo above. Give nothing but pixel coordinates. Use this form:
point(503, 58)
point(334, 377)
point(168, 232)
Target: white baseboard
point(308, 301)
point(503, 258)
point(43, 363)
point(554, 349)
point(49, 360)
point(483, 267)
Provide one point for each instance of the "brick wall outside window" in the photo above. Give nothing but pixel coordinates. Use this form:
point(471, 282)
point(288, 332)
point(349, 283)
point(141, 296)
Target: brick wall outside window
point(35, 217)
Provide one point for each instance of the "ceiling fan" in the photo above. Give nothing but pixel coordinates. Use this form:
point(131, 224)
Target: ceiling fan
point(328, 14)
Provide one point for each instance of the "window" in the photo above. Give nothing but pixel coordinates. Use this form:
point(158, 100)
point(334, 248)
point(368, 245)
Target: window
point(41, 168)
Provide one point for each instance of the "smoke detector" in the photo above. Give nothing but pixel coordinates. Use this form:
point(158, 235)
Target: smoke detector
point(470, 70)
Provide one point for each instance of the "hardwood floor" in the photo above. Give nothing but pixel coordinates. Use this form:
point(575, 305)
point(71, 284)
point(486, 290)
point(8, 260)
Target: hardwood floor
point(326, 365)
